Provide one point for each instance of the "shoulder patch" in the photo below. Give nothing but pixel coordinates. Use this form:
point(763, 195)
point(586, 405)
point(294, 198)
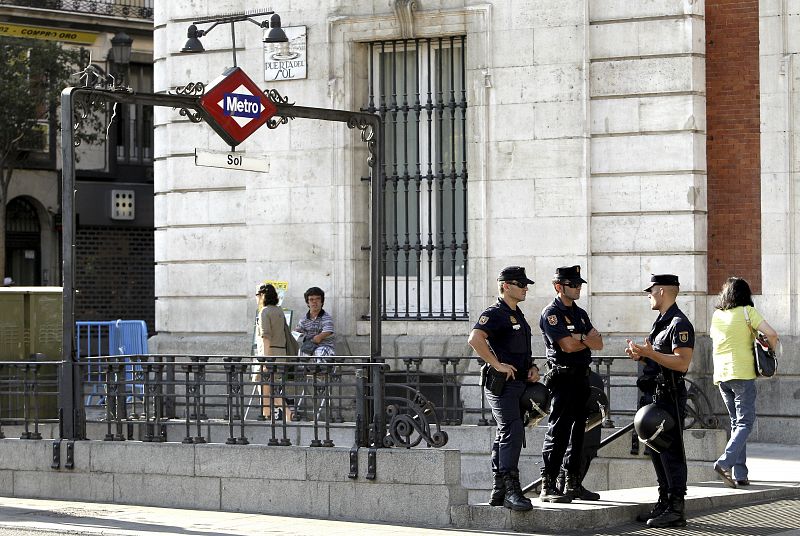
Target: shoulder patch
point(552, 320)
point(683, 336)
point(483, 319)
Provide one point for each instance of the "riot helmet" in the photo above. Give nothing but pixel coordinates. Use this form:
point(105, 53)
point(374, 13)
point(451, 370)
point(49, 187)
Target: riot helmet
point(652, 424)
point(534, 404)
point(596, 408)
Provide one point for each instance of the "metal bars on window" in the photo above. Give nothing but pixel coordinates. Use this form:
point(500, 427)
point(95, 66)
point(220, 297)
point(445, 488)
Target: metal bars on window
point(418, 87)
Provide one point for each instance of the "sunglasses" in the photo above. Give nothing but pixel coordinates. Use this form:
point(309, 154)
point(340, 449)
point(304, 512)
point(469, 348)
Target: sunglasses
point(517, 284)
point(572, 284)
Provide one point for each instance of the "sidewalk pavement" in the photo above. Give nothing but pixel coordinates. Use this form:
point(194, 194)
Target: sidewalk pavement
point(767, 462)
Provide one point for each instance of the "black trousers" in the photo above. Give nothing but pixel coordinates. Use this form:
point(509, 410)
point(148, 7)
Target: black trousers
point(507, 443)
point(670, 464)
point(567, 422)
point(591, 439)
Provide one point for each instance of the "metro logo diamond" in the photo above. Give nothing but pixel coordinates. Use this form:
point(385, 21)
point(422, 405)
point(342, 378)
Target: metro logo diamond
point(236, 106)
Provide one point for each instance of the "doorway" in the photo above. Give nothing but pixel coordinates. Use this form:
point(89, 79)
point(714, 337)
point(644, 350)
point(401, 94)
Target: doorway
point(23, 243)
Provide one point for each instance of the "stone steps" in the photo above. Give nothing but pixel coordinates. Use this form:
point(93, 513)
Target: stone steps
point(615, 507)
point(614, 468)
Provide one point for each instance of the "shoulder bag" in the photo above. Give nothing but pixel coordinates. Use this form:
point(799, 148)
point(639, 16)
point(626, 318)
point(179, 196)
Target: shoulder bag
point(766, 363)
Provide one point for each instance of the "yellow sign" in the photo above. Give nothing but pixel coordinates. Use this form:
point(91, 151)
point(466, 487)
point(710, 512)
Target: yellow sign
point(48, 34)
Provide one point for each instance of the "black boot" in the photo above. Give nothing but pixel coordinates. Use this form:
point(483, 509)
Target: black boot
point(550, 493)
point(561, 480)
point(514, 499)
point(659, 508)
point(672, 516)
point(498, 491)
point(574, 490)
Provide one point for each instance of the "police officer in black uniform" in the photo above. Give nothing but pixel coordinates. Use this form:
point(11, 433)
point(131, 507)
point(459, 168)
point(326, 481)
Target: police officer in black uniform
point(569, 338)
point(667, 354)
point(502, 338)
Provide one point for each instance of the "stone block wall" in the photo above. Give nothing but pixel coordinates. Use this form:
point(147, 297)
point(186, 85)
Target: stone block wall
point(252, 478)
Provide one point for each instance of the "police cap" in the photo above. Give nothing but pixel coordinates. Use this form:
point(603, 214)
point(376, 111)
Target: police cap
point(569, 273)
point(514, 273)
point(667, 280)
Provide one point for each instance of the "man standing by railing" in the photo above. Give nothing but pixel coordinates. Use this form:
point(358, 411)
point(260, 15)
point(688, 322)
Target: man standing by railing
point(569, 338)
point(502, 338)
point(667, 354)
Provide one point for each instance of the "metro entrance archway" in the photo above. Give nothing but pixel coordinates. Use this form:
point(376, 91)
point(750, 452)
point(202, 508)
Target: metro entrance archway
point(78, 102)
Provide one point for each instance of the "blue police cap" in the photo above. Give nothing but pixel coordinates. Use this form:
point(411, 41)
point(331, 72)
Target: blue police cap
point(569, 273)
point(514, 273)
point(668, 280)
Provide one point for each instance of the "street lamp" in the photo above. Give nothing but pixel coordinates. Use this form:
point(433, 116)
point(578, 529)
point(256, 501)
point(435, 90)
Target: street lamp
point(120, 53)
point(121, 48)
point(193, 44)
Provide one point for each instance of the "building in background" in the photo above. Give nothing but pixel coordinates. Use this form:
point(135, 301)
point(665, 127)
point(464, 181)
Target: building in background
point(114, 179)
point(628, 137)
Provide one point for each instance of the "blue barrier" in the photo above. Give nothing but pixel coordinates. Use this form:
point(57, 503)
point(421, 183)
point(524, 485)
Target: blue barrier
point(106, 338)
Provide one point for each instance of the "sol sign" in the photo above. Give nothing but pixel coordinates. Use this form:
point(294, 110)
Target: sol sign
point(237, 106)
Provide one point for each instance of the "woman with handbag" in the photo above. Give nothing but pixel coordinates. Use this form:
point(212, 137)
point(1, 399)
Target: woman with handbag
point(733, 328)
point(271, 340)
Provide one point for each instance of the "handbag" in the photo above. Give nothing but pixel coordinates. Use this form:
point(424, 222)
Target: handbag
point(765, 361)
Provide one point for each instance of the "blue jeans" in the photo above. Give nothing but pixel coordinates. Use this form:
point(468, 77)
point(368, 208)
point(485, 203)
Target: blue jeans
point(740, 399)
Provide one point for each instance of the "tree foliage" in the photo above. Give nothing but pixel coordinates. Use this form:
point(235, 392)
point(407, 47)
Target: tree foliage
point(32, 75)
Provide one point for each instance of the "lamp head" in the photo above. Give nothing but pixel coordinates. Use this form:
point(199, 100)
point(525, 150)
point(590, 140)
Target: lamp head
point(276, 33)
point(193, 43)
point(121, 48)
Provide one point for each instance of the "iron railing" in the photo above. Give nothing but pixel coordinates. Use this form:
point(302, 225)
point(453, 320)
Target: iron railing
point(135, 9)
point(404, 402)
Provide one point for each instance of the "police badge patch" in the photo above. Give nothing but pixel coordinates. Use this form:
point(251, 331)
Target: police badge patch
point(683, 336)
point(552, 320)
point(483, 319)
point(513, 320)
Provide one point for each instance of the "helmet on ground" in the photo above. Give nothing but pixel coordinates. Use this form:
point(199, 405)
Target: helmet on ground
point(596, 408)
point(652, 425)
point(534, 404)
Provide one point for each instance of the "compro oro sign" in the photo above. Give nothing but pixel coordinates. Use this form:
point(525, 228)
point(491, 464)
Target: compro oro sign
point(48, 34)
point(236, 106)
point(286, 61)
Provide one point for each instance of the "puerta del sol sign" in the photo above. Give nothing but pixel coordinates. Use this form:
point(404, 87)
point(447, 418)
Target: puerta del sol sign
point(286, 61)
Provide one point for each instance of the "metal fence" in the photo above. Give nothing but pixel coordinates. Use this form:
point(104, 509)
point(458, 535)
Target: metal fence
point(401, 403)
point(136, 9)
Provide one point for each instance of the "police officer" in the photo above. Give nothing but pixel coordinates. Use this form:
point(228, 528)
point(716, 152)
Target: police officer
point(666, 353)
point(569, 338)
point(502, 338)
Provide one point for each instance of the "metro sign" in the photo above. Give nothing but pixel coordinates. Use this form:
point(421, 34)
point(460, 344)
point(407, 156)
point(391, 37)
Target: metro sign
point(236, 105)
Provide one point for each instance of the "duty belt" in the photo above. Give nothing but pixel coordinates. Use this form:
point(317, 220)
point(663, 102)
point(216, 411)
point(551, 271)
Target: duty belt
point(572, 370)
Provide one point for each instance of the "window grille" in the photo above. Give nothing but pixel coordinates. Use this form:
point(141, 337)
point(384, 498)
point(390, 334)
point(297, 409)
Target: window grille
point(418, 88)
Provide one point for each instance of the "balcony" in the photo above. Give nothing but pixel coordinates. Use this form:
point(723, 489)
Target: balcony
point(133, 9)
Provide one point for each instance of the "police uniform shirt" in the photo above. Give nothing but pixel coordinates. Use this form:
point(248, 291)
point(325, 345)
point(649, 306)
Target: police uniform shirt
point(509, 336)
point(670, 331)
point(559, 321)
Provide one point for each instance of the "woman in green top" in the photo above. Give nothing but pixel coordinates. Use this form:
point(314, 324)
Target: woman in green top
point(734, 372)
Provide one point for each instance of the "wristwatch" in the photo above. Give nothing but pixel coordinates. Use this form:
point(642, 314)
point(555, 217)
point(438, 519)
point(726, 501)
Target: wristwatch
point(583, 337)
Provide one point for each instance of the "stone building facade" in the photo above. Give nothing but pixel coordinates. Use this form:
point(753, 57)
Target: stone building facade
point(628, 137)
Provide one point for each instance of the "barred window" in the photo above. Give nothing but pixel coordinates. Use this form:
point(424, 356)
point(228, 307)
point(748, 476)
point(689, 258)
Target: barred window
point(418, 88)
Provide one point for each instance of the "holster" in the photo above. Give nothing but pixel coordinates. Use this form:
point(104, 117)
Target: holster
point(492, 380)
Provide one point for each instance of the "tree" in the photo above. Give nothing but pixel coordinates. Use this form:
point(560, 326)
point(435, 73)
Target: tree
point(32, 75)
